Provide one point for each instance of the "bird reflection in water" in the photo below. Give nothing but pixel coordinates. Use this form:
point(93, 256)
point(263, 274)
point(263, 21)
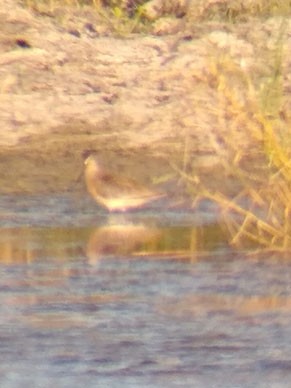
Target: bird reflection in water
point(121, 240)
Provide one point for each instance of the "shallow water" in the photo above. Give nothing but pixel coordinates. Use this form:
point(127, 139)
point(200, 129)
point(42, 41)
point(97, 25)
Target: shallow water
point(151, 299)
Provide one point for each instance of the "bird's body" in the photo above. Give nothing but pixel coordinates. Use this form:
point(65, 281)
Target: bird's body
point(114, 192)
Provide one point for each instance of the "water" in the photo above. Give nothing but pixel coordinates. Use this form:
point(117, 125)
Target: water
point(153, 299)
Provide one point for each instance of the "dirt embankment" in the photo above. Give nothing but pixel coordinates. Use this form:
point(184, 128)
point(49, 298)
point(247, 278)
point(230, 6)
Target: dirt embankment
point(66, 87)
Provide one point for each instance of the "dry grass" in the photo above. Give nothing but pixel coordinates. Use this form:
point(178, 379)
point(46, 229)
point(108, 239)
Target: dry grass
point(198, 10)
point(236, 11)
point(124, 17)
point(258, 214)
point(111, 14)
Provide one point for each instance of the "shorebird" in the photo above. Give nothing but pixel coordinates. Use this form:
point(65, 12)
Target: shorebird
point(114, 192)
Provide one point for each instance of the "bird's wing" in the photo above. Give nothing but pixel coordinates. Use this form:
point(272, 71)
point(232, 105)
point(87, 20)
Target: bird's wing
point(110, 185)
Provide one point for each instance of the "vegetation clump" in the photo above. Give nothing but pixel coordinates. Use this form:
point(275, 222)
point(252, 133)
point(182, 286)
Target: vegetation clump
point(258, 212)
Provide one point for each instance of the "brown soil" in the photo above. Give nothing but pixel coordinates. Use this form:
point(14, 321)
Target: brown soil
point(141, 100)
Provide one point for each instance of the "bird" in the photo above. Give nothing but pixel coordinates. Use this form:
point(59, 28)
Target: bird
point(115, 193)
